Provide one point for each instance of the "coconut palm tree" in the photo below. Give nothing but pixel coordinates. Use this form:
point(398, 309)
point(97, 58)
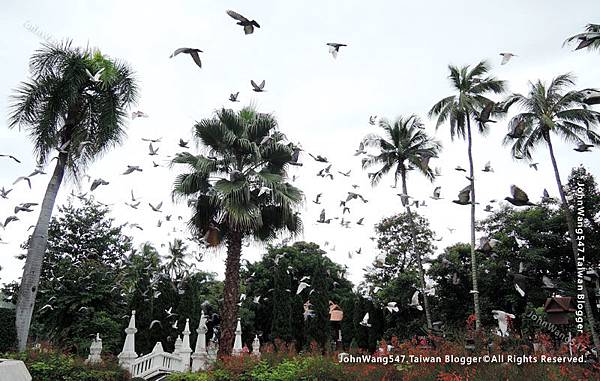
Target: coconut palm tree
point(64, 108)
point(404, 145)
point(469, 104)
point(590, 39)
point(238, 189)
point(176, 263)
point(548, 111)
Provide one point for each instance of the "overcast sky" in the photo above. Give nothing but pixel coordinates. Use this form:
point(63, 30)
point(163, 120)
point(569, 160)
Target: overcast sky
point(395, 64)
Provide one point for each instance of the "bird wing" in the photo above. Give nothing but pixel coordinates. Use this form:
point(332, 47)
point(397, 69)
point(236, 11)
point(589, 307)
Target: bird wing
point(236, 16)
point(505, 58)
point(262, 84)
point(255, 86)
point(518, 193)
point(177, 51)
point(196, 58)
point(465, 194)
point(322, 216)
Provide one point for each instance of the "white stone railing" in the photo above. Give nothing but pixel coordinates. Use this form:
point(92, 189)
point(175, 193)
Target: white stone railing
point(156, 362)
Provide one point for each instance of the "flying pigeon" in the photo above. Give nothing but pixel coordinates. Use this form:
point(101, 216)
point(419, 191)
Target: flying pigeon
point(10, 157)
point(519, 197)
point(334, 48)
point(234, 96)
point(582, 147)
point(192, 52)
point(258, 88)
point(96, 183)
point(506, 57)
point(502, 318)
point(243, 21)
point(365, 321)
point(414, 301)
point(464, 196)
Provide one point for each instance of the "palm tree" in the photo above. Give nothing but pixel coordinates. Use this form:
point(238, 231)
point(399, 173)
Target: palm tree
point(404, 145)
point(590, 39)
point(176, 259)
point(238, 189)
point(472, 85)
point(548, 111)
point(64, 108)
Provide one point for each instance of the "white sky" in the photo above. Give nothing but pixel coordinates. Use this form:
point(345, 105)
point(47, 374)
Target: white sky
point(396, 63)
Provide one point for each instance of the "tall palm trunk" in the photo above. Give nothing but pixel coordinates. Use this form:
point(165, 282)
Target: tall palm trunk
point(231, 291)
point(473, 255)
point(413, 233)
point(35, 256)
point(571, 226)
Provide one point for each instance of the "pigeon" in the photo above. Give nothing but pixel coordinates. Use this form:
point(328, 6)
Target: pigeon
point(258, 88)
point(133, 206)
point(4, 193)
point(170, 313)
point(183, 143)
point(414, 301)
point(132, 168)
point(319, 158)
point(516, 130)
point(506, 57)
point(372, 120)
point(360, 221)
point(486, 244)
point(334, 48)
point(534, 166)
point(545, 195)
point(301, 287)
point(317, 199)
point(519, 197)
point(464, 196)
point(484, 115)
point(95, 77)
point(436, 193)
point(392, 307)
point(8, 220)
point(347, 174)
point(96, 183)
point(437, 171)
point(10, 157)
point(488, 208)
point(591, 96)
point(247, 24)
point(519, 290)
point(582, 147)
point(157, 207)
point(23, 178)
point(460, 169)
point(234, 96)
point(502, 318)
point(322, 219)
point(152, 140)
point(139, 114)
point(548, 283)
point(153, 152)
point(365, 321)
point(192, 52)
point(155, 322)
point(25, 207)
point(488, 167)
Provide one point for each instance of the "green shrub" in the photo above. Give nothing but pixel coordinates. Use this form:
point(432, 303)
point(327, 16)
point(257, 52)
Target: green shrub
point(187, 377)
point(49, 365)
point(8, 333)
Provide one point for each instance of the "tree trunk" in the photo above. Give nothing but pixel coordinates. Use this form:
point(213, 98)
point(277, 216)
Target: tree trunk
point(413, 233)
point(35, 256)
point(571, 226)
point(231, 294)
point(473, 255)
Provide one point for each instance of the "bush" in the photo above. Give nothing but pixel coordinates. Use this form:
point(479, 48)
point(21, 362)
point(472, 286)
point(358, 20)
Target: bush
point(187, 377)
point(8, 332)
point(49, 365)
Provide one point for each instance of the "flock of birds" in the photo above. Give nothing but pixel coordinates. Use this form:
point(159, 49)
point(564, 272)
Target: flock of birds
point(517, 196)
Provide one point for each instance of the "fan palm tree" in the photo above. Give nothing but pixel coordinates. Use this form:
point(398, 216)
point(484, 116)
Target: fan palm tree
point(404, 144)
point(64, 108)
point(460, 110)
point(590, 39)
point(554, 110)
point(238, 189)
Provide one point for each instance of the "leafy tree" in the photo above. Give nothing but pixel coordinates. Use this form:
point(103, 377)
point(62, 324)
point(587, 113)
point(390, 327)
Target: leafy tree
point(63, 108)
point(282, 295)
point(405, 144)
point(238, 190)
point(302, 259)
point(547, 111)
point(470, 103)
point(80, 290)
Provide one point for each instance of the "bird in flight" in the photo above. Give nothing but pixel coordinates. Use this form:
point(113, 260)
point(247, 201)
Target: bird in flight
point(157, 207)
point(192, 52)
point(96, 183)
point(243, 21)
point(23, 178)
point(519, 197)
point(516, 130)
point(437, 193)
point(183, 143)
point(464, 196)
point(317, 199)
point(258, 88)
point(233, 97)
point(582, 147)
point(322, 219)
point(152, 140)
point(10, 157)
point(488, 167)
point(131, 169)
point(506, 57)
point(153, 151)
point(138, 114)
point(4, 193)
point(334, 48)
